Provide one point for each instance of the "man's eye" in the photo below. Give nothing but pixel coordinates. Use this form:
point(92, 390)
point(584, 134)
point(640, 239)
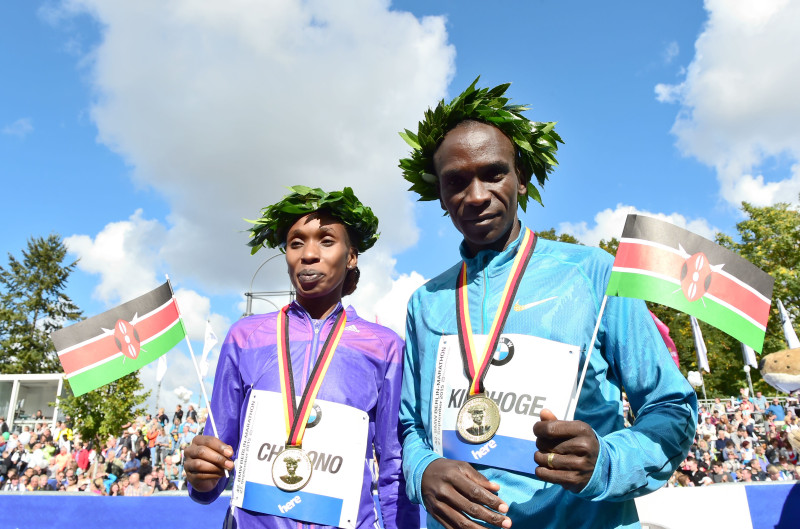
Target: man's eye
point(295, 244)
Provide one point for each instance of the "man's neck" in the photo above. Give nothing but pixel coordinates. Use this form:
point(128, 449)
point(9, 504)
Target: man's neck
point(500, 244)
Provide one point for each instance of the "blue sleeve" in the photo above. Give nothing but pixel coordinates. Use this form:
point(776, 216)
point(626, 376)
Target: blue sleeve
point(396, 509)
point(226, 404)
point(417, 452)
point(637, 460)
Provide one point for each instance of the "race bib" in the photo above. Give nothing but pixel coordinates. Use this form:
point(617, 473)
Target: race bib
point(335, 442)
point(526, 375)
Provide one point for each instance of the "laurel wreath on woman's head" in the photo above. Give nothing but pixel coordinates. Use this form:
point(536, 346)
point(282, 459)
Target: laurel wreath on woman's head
point(270, 230)
point(535, 143)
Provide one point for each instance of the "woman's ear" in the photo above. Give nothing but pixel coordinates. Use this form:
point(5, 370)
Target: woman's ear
point(352, 258)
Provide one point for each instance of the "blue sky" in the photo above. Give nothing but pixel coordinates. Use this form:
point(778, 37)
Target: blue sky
point(143, 132)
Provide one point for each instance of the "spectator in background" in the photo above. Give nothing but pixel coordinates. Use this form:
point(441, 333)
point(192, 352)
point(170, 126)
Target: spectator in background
point(145, 468)
point(774, 473)
point(3, 426)
point(162, 447)
point(760, 402)
point(776, 409)
point(135, 487)
point(171, 470)
point(131, 465)
point(162, 417)
point(758, 471)
point(142, 450)
point(717, 471)
point(746, 453)
point(116, 489)
point(191, 413)
point(178, 414)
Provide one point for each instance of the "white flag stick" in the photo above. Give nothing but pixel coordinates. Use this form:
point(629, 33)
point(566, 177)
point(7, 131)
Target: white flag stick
point(161, 368)
point(749, 356)
point(788, 330)
point(208, 344)
point(573, 402)
point(700, 346)
point(197, 370)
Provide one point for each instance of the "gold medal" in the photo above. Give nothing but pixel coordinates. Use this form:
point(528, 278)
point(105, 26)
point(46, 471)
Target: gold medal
point(291, 470)
point(478, 419)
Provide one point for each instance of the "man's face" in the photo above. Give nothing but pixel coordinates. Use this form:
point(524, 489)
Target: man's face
point(479, 184)
point(477, 417)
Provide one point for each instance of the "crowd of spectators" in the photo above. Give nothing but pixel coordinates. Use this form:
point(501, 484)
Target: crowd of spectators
point(145, 458)
point(742, 440)
point(737, 440)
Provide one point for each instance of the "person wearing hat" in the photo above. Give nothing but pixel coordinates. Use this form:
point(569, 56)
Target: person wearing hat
point(271, 364)
point(477, 156)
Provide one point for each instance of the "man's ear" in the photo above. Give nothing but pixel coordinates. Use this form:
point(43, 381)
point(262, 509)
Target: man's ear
point(522, 185)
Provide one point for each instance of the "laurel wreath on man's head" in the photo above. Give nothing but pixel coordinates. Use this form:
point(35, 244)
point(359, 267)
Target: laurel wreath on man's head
point(535, 143)
point(270, 230)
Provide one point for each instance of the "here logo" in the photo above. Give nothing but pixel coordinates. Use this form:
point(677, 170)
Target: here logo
point(484, 450)
point(288, 506)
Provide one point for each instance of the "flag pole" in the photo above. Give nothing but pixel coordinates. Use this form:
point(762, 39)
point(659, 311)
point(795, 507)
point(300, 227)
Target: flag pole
point(573, 405)
point(196, 368)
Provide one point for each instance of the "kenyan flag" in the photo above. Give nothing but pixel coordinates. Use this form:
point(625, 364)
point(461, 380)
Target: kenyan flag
point(110, 345)
point(660, 262)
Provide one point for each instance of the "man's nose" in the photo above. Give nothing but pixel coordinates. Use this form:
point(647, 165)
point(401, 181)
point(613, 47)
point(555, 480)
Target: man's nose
point(477, 193)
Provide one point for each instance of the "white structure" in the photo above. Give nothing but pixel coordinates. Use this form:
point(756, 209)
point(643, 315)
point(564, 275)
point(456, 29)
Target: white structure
point(21, 396)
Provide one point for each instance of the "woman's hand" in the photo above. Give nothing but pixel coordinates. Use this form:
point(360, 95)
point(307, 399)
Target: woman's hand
point(207, 460)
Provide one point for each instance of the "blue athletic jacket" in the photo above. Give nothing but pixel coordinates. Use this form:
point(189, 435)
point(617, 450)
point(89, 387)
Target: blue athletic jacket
point(628, 354)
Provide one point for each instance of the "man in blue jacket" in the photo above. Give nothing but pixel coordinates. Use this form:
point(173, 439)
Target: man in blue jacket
point(476, 156)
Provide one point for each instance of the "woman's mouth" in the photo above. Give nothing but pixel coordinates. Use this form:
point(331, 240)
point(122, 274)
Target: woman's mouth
point(309, 276)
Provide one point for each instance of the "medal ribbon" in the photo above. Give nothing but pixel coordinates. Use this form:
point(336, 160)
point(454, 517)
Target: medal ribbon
point(476, 363)
point(296, 417)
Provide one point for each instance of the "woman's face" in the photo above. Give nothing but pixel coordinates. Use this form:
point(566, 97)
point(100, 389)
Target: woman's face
point(318, 255)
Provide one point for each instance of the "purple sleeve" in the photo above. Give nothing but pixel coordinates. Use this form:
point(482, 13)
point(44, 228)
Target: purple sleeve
point(226, 403)
point(397, 510)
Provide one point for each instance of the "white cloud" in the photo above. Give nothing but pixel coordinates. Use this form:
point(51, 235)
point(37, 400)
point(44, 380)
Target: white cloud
point(739, 105)
point(126, 256)
point(381, 293)
point(670, 52)
point(224, 104)
point(20, 128)
point(609, 223)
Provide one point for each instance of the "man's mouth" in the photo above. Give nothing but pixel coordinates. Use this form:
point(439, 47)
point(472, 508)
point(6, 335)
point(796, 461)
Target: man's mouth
point(482, 219)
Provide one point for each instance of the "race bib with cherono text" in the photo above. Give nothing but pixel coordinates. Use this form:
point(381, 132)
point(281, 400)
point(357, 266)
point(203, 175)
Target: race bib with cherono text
point(335, 442)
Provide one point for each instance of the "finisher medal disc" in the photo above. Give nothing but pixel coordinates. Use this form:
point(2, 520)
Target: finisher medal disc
point(478, 419)
point(291, 470)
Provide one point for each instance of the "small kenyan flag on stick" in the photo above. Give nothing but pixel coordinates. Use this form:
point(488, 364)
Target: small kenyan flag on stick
point(660, 262)
point(665, 264)
point(108, 346)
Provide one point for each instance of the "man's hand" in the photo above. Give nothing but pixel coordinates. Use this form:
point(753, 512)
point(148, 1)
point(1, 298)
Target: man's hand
point(452, 488)
point(574, 449)
point(207, 459)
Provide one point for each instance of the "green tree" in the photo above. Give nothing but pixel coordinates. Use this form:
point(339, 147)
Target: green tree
point(770, 239)
point(33, 304)
point(104, 411)
point(553, 236)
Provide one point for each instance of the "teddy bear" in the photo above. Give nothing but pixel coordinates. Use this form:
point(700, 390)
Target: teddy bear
point(781, 369)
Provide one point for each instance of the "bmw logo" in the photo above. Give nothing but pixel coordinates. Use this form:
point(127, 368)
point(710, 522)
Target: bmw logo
point(504, 352)
point(315, 417)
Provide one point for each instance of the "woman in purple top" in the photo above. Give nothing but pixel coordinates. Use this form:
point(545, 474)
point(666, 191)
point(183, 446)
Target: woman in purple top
point(322, 235)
